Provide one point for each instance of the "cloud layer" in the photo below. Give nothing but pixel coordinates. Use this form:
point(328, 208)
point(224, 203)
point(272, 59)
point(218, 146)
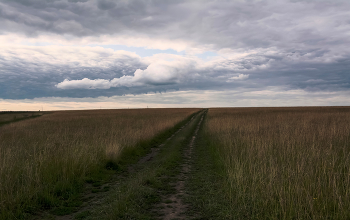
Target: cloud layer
point(62, 48)
point(216, 24)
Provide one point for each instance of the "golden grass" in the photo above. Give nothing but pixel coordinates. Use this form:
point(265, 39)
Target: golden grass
point(47, 155)
point(285, 163)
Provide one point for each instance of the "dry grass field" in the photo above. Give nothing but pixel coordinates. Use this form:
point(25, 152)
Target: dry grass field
point(284, 163)
point(250, 163)
point(46, 157)
point(7, 117)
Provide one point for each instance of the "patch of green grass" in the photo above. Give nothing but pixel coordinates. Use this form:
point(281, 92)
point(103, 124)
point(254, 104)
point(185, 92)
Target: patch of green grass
point(82, 215)
point(95, 190)
point(60, 211)
point(97, 184)
point(89, 180)
point(111, 165)
point(46, 201)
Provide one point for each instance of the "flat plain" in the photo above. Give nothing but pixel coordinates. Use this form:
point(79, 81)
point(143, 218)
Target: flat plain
point(220, 163)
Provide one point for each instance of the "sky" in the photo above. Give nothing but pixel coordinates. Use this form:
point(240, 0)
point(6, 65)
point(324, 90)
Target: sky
point(90, 54)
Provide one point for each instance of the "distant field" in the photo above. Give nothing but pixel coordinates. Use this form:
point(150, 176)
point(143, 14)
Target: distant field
point(284, 163)
point(48, 158)
point(7, 117)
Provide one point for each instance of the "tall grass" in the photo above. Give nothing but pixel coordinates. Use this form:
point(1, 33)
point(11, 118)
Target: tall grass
point(284, 163)
point(45, 158)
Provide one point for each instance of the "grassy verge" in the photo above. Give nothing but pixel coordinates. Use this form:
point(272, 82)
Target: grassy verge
point(135, 197)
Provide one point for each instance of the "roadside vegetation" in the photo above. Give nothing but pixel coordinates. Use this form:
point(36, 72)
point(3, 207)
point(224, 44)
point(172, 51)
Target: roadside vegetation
point(278, 163)
point(45, 162)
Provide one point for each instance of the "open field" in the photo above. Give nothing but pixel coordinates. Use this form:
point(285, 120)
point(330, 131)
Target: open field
point(284, 163)
point(221, 163)
point(47, 159)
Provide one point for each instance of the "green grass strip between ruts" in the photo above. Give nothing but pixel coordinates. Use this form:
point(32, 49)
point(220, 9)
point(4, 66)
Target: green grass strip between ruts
point(208, 181)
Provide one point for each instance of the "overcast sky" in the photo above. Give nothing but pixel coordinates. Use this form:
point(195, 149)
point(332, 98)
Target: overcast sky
point(78, 54)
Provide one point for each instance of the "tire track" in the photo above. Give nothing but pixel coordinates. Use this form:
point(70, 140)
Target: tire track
point(173, 206)
point(155, 149)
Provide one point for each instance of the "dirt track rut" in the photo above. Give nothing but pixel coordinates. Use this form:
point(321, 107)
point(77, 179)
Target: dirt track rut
point(173, 206)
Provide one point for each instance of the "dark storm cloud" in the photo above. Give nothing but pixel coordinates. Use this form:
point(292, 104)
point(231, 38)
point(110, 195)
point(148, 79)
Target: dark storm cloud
point(231, 24)
point(21, 77)
point(293, 44)
point(105, 4)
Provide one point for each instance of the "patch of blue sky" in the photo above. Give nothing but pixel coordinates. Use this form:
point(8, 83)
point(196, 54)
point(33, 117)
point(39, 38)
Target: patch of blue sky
point(207, 55)
point(145, 52)
point(141, 51)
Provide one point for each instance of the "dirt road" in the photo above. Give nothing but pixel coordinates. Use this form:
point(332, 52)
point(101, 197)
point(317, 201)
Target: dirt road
point(173, 205)
point(152, 188)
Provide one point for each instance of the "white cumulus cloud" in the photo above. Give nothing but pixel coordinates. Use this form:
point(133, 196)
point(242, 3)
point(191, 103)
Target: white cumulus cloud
point(84, 84)
point(161, 72)
point(239, 77)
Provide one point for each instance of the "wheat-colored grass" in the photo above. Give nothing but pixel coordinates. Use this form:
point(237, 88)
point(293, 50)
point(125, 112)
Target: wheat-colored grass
point(285, 163)
point(42, 156)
